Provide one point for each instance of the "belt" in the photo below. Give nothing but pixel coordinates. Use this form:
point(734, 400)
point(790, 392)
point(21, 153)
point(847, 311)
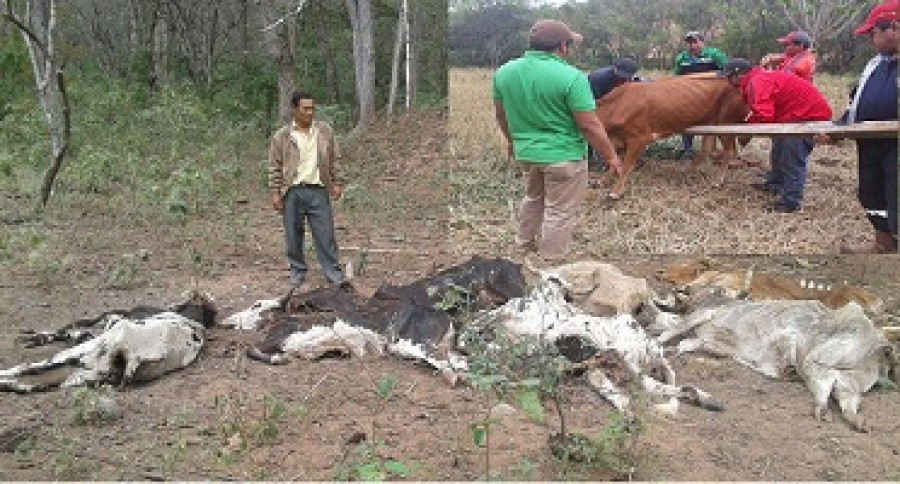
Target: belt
point(307, 185)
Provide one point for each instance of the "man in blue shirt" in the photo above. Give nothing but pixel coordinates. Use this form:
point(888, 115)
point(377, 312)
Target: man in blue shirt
point(875, 99)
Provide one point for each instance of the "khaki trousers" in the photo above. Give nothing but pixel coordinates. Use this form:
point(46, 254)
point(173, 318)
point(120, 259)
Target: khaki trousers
point(552, 205)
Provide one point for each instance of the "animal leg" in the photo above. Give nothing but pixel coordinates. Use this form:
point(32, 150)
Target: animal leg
point(690, 345)
point(632, 152)
point(688, 394)
point(598, 380)
point(821, 389)
point(848, 399)
point(707, 146)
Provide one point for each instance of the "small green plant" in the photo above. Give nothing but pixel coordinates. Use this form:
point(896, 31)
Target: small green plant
point(246, 423)
point(613, 453)
point(364, 462)
point(504, 368)
point(94, 406)
point(125, 272)
point(46, 267)
point(65, 463)
point(173, 454)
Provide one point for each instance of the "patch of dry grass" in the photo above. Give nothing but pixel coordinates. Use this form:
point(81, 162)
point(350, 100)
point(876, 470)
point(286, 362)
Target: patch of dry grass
point(670, 206)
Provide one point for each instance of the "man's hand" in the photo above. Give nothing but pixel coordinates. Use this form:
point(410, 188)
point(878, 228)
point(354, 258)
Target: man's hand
point(614, 165)
point(336, 192)
point(823, 139)
point(277, 203)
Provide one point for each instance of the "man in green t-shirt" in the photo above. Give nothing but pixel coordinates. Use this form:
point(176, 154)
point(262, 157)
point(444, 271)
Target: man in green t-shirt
point(545, 109)
point(696, 58)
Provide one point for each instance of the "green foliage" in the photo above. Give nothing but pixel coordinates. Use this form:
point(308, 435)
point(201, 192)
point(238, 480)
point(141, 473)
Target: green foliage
point(124, 274)
point(65, 463)
point(614, 451)
point(16, 242)
point(15, 71)
point(94, 406)
point(386, 386)
point(245, 423)
point(46, 266)
point(173, 454)
point(364, 462)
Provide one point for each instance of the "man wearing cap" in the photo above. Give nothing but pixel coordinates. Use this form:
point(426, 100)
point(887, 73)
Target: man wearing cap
point(875, 99)
point(797, 58)
point(545, 109)
point(696, 58)
point(605, 79)
point(781, 97)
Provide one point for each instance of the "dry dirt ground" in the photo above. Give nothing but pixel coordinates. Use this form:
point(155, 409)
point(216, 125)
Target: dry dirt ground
point(224, 418)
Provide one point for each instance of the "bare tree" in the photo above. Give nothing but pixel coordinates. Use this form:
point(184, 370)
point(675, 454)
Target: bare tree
point(38, 26)
point(363, 63)
point(279, 38)
point(822, 19)
point(395, 61)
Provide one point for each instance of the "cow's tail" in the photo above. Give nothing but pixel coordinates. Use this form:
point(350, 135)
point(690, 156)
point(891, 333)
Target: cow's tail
point(271, 358)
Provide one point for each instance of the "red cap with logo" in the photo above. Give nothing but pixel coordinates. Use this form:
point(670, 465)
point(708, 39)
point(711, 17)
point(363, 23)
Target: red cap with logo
point(889, 10)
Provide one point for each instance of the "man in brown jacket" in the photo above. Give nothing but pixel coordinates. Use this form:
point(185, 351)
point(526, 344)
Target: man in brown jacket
point(302, 175)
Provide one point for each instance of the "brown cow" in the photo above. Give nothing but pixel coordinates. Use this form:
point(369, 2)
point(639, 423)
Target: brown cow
point(636, 114)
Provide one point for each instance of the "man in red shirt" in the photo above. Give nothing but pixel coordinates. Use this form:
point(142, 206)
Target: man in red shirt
point(781, 97)
point(797, 57)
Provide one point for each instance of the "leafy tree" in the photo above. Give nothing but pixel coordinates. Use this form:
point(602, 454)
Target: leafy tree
point(491, 35)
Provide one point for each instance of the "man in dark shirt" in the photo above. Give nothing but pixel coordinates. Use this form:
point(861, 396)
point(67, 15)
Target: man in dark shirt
point(875, 99)
point(602, 81)
point(605, 79)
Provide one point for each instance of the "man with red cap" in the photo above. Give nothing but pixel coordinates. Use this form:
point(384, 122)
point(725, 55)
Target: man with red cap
point(875, 99)
point(797, 57)
point(545, 109)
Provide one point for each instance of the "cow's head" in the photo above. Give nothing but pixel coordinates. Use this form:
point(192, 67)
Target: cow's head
point(198, 306)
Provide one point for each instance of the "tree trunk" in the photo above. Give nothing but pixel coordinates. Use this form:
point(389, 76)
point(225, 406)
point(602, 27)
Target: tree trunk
point(38, 29)
point(160, 51)
point(395, 62)
point(321, 20)
point(278, 37)
point(412, 57)
point(363, 63)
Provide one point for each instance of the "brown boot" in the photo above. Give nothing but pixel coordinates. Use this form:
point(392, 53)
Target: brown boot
point(884, 243)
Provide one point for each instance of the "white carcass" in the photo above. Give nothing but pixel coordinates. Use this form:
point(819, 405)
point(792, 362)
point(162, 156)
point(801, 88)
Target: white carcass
point(123, 347)
point(546, 315)
point(836, 352)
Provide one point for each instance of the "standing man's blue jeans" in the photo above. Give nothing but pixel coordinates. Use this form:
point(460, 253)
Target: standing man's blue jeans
point(310, 202)
point(687, 143)
point(789, 158)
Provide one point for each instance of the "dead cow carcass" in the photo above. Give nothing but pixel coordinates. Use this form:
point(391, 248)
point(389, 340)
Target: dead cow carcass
point(836, 352)
point(422, 314)
point(119, 347)
point(639, 113)
point(616, 348)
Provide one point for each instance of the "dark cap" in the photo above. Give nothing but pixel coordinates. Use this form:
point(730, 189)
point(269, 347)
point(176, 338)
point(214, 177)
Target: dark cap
point(693, 35)
point(736, 67)
point(626, 68)
point(889, 11)
point(550, 33)
point(796, 37)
